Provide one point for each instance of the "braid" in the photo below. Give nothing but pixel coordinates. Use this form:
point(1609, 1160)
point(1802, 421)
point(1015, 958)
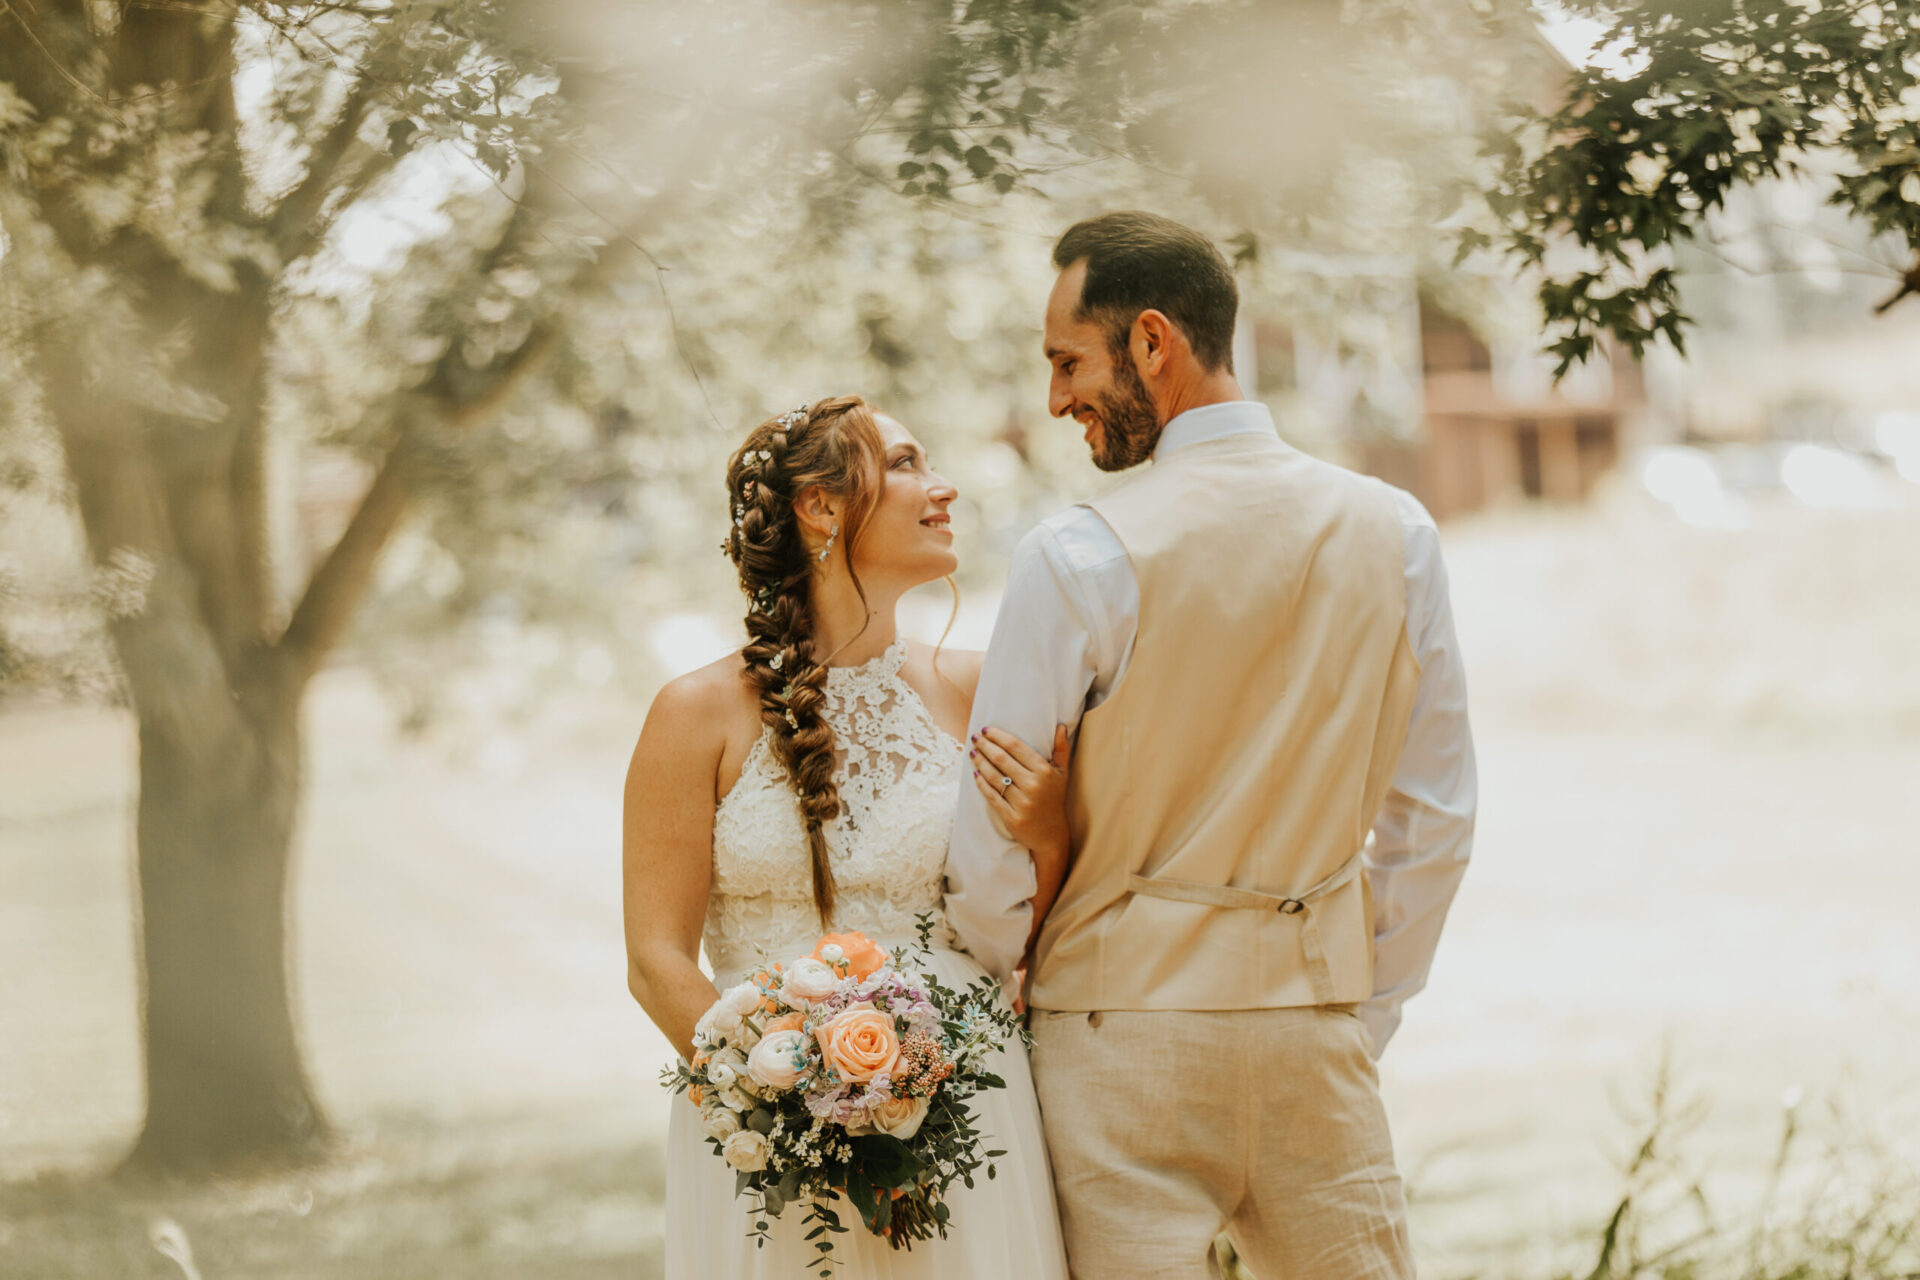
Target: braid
point(833, 444)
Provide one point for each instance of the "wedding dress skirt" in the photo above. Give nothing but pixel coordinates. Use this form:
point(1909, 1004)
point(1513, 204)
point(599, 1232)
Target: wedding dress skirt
point(898, 776)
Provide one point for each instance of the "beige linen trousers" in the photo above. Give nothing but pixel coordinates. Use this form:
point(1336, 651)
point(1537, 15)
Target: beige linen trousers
point(1266, 1123)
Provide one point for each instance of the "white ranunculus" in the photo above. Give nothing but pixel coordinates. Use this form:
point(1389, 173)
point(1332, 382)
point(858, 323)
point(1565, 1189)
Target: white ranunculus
point(719, 1123)
point(741, 999)
point(901, 1117)
point(778, 1060)
point(832, 953)
point(721, 1074)
point(747, 1151)
point(719, 1025)
point(808, 980)
point(738, 1099)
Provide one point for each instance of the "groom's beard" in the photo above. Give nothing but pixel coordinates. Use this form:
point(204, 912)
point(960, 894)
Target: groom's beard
point(1128, 426)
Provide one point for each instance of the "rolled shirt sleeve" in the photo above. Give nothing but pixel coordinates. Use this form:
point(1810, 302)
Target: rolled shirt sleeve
point(1423, 836)
point(1066, 621)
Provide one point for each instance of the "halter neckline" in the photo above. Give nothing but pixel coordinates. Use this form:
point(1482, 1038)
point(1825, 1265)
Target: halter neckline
point(885, 663)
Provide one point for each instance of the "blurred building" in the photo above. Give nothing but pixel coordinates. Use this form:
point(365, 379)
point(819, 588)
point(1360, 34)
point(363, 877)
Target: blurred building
point(1459, 418)
point(1496, 427)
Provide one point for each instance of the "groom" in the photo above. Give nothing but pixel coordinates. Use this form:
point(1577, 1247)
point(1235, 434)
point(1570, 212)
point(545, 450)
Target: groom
point(1272, 795)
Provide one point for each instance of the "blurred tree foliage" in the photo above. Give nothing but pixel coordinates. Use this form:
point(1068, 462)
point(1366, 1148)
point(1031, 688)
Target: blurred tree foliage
point(1691, 100)
point(187, 186)
point(274, 277)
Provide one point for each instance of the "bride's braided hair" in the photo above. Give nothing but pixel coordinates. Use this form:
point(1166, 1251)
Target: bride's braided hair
point(833, 444)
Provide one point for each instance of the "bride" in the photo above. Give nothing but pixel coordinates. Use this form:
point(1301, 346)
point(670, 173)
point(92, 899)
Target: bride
point(806, 785)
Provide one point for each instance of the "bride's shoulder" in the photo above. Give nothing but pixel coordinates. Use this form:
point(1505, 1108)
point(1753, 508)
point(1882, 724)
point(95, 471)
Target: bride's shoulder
point(958, 670)
point(708, 701)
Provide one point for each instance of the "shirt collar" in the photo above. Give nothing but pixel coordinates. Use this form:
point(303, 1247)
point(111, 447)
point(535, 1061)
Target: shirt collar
point(1214, 421)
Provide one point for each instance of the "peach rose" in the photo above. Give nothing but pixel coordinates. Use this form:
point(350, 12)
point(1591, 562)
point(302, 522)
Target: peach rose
point(859, 1042)
point(858, 952)
point(785, 1022)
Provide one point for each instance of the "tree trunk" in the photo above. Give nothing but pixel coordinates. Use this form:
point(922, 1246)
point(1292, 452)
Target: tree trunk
point(174, 509)
point(226, 1086)
point(220, 777)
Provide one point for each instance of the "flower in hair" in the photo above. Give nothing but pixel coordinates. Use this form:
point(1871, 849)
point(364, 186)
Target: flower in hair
point(778, 660)
point(793, 418)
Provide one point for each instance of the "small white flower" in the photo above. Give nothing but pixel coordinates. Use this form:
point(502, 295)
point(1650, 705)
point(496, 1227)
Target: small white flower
point(747, 1151)
point(721, 1075)
point(832, 953)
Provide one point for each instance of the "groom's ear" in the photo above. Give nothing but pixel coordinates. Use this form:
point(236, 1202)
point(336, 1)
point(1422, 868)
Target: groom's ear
point(1154, 337)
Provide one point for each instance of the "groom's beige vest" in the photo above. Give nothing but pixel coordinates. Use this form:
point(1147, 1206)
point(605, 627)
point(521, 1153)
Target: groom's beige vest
point(1220, 798)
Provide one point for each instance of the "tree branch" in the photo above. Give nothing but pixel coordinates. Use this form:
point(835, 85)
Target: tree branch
point(507, 378)
point(292, 224)
point(453, 399)
point(343, 578)
point(1909, 283)
point(13, 10)
point(337, 586)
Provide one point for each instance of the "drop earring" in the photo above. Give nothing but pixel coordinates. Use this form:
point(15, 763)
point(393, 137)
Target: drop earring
point(821, 554)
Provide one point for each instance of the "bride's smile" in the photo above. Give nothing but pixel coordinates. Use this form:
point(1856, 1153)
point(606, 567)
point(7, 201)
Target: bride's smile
point(908, 538)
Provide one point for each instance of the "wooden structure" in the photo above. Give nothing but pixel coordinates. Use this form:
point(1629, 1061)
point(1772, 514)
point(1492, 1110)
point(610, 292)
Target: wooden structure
point(1496, 429)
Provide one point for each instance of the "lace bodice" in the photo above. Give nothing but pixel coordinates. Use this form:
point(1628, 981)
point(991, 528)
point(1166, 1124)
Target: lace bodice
point(898, 775)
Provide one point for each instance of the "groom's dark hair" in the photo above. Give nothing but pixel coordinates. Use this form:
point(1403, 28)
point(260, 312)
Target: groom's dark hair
point(1141, 261)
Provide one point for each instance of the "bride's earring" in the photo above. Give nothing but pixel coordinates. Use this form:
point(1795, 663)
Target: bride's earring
point(821, 554)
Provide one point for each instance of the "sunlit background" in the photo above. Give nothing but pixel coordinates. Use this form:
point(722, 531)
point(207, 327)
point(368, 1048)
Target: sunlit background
point(1687, 588)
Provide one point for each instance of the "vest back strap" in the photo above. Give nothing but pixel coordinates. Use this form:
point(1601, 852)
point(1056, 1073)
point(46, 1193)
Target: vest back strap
point(1231, 898)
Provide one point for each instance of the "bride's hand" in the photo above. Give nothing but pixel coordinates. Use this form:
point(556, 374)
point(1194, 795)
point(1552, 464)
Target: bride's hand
point(1027, 790)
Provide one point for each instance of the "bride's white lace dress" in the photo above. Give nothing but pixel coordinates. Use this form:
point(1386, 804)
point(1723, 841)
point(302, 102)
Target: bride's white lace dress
point(898, 776)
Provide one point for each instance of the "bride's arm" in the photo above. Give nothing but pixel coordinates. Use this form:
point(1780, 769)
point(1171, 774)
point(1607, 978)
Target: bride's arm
point(667, 857)
point(1033, 808)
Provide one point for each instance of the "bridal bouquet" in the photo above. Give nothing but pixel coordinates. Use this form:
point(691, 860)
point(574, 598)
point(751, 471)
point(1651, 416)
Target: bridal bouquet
point(845, 1072)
